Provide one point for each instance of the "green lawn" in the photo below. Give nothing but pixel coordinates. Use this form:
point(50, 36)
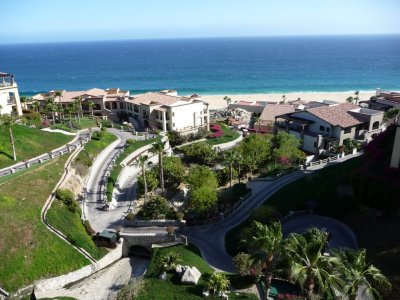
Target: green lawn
point(324, 187)
point(229, 136)
point(71, 225)
point(93, 148)
point(28, 250)
point(117, 167)
point(29, 142)
point(84, 123)
point(171, 288)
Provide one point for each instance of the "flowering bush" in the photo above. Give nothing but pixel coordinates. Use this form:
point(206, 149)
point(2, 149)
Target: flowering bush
point(217, 131)
point(284, 160)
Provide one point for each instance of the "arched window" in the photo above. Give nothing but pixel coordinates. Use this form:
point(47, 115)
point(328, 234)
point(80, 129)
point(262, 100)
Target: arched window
point(375, 125)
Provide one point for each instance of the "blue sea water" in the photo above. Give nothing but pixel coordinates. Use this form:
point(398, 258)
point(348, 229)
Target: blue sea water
point(209, 66)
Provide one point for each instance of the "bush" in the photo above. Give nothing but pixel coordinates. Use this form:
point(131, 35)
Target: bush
point(98, 135)
point(151, 180)
point(155, 209)
point(169, 261)
point(199, 153)
point(106, 123)
point(218, 282)
point(130, 216)
point(131, 290)
point(68, 198)
point(242, 263)
point(89, 230)
point(264, 213)
point(180, 216)
point(84, 158)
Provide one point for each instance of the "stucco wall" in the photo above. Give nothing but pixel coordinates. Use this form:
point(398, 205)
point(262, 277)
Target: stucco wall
point(4, 97)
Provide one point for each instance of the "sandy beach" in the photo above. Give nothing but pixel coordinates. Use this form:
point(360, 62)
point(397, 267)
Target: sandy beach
point(217, 101)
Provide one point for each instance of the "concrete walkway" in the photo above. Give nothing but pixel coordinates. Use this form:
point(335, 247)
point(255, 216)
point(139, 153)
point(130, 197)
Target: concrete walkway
point(82, 135)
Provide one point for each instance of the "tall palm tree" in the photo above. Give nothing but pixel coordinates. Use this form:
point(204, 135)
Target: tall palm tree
point(51, 107)
point(310, 268)
point(35, 106)
point(142, 161)
point(283, 98)
point(58, 94)
point(239, 161)
point(350, 99)
point(257, 122)
point(264, 243)
point(77, 105)
point(91, 105)
point(23, 100)
point(8, 121)
point(228, 101)
point(158, 148)
point(230, 157)
point(356, 98)
point(359, 276)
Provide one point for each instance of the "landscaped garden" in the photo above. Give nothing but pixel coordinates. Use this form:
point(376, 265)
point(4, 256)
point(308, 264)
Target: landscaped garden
point(166, 259)
point(221, 134)
point(28, 250)
point(29, 143)
point(361, 192)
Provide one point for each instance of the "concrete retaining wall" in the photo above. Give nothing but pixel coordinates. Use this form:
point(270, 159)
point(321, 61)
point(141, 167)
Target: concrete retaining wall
point(144, 240)
point(60, 281)
point(153, 223)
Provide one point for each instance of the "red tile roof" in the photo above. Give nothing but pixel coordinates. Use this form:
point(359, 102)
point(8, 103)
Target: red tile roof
point(337, 115)
point(271, 111)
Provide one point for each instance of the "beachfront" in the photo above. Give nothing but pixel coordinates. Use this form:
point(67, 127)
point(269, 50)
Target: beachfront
point(217, 101)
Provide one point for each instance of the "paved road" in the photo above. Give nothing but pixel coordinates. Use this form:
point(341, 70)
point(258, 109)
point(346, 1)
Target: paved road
point(82, 135)
point(98, 218)
point(210, 239)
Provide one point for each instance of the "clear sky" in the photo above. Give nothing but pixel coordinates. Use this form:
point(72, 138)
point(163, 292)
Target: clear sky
point(80, 20)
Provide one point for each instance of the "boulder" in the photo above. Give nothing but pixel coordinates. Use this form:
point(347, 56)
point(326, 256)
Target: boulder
point(191, 276)
point(163, 276)
point(178, 269)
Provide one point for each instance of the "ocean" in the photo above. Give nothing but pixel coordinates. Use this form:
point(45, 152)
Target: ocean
point(209, 66)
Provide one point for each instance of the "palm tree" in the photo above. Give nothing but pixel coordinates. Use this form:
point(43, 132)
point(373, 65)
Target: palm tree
point(23, 100)
point(356, 98)
point(360, 276)
point(142, 162)
point(91, 105)
point(230, 157)
point(158, 148)
point(8, 121)
point(264, 243)
point(228, 101)
point(52, 108)
point(77, 105)
point(350, 99)
point(35, 106)
point(239, 160)
point(58, 94)
point(310, 268)
point(257, 122)
point(283, 98)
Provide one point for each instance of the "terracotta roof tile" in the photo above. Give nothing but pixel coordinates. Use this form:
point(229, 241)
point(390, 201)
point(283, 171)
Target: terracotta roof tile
point(271, 111)
point(337, 115)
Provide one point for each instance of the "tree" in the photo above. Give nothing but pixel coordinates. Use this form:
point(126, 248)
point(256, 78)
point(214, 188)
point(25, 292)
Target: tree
point(142, 162)
point(23, 101)
point(310, 268)
point(91, 105)
point(51, 107)
point(78, 105)
point(8, 121)
point(286, 145)
point(264, 242)
point(393, 114)
point(218, 282)
point(283, 98)
point(158, 148)
point(203, 198)
point(199, 153)
point(58, 94)
point(356, 98)
point(230, 158)
point(350, 99)
point(174, 171)
point(228, 101)
point(255, 150)
point(35, 106)
point(243, 263)
point(200, 176)
point(360, 276)
point(155, 209)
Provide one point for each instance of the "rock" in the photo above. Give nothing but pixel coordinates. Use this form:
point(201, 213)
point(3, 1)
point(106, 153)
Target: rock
point(191, 276)
point(178, 269)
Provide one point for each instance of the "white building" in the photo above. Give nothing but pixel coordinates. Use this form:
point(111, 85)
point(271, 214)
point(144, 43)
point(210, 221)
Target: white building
point(9, 96)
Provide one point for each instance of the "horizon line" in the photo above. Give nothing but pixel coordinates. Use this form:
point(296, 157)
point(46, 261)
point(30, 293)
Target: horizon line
point(204, 38)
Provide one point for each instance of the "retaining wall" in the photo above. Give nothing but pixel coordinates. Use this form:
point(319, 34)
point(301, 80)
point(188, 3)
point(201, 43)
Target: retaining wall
point(154, 223)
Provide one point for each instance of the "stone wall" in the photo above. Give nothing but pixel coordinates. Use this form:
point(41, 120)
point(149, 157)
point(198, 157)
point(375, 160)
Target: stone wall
point(60, 281)
point(145, 240)
point(154, 223)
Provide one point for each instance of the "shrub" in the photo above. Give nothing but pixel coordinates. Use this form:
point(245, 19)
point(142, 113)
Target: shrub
point(84, 158)
point(106, 123)
point(264, 213)
point(151, 180)
point(242, 263)
point(169, 261)
point(218, 282)
point(89, 230)
point(155, 209)
point(180, 216)
point(68, 198)
point(98, 135)
point(199, 153)
point(130, 216)
point(131, 290)
point(170, 230)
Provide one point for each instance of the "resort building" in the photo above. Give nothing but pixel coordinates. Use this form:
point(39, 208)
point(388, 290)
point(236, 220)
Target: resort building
point(325, 127)
point(250, 106)
point(9, 96)
point(266, 120)
point(164, 110)
point(384, 100)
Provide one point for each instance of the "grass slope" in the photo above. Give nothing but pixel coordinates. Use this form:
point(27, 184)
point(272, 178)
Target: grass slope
point(83, 124)
point(28, 250)
point(171, 288)
point(229, 136)
point(71, 225)
point(29, 142)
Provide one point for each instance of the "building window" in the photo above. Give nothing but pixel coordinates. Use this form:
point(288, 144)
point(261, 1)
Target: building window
point(347, 130)
point(322, 128)
point(173, 124)
point(315, 144)
point(375, 125)
point(327, 129)
point(173, 114)
point(114, 105)
point(108, 105)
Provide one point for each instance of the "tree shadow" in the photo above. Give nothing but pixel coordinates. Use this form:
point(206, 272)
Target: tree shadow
point(6, 154)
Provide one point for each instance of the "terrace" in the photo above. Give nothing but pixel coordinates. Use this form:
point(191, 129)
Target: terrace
point(6, 79)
